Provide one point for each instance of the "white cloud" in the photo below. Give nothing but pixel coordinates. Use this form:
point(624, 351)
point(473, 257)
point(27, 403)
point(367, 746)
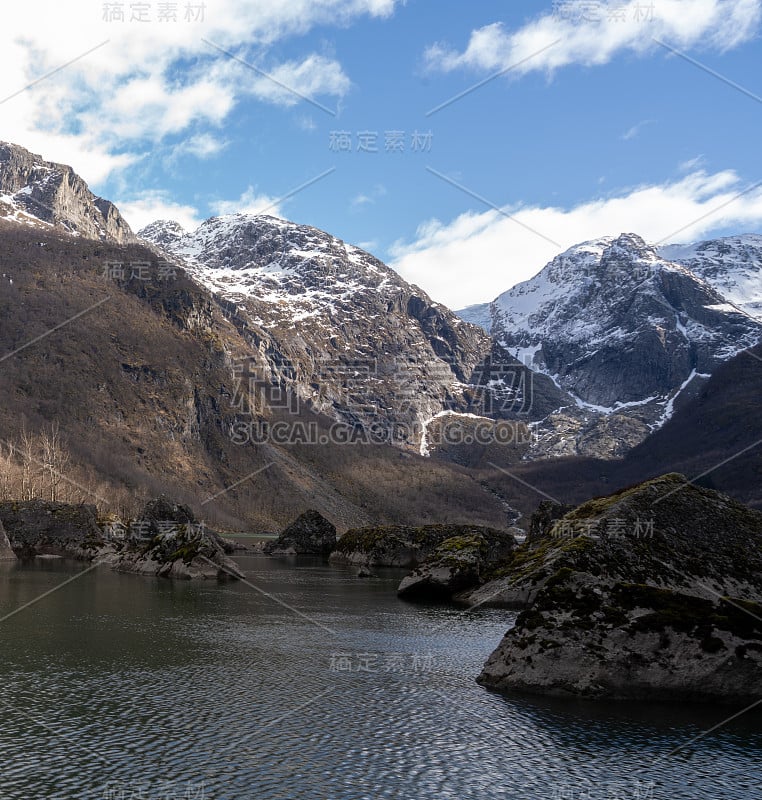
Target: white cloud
point(248, 203)
point(154, 205)
point(692, 164)
point(201, 145)
point(291, 82)
point(150, 80)
point(477, 256)
point(555, 40)
point(363, 199)
point(635, 130)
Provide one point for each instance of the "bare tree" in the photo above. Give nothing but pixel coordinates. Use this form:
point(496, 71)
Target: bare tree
point(26, 452)
point(9, 473)
point(54, 459)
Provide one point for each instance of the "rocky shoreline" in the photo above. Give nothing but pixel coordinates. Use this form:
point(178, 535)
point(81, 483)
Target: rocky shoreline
point(166, 541)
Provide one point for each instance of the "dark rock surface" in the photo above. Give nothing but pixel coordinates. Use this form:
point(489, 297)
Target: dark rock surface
point(400, 545)
point(309, 534)
point(39, 527)
point(653, 592)
point(458, 563)
point(6, 551)
point(184, 554)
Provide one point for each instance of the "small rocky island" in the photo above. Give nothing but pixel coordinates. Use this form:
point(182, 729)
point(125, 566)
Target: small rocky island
point(406, 545)
point(165, 540)
point(654, 592)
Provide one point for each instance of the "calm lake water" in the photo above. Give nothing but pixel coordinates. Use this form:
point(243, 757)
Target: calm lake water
point(118, 686)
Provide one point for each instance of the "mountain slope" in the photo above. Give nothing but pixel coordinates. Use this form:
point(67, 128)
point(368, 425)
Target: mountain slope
point(627, 333)
point(615, 324)
point(138, 373)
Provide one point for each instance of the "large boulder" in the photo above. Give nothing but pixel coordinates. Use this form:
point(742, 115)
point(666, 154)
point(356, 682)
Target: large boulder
point(39, 527)
point(309, 534)
point(457, 564)
point(162, 509)
point(654, 592)
point(6, 551)
point(168, 542)
point(396, 545)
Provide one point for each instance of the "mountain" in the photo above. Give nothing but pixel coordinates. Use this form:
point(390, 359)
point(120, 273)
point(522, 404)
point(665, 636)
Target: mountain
point(139, 373)
point(714, 439)
point(626, 332)
point(346, 333)
point(732, 265)
point(35, 191)
point(147, 375)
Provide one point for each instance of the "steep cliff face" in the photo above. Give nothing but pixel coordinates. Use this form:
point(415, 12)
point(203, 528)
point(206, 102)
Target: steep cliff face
point(628, 333)
point(36, 191)
point(616, 324)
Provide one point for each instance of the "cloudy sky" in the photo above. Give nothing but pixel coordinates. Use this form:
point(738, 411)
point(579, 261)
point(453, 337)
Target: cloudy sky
point(465, 143)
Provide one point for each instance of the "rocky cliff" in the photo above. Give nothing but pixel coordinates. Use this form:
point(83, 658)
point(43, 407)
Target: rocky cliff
point(33, 190)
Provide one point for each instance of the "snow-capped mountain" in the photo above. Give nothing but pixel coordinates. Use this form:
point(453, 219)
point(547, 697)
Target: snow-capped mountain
point(624, 331)
point(38, 192)
point(346, 332)
point(732, 265)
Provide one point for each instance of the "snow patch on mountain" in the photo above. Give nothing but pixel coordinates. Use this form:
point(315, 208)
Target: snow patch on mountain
point(732, 265)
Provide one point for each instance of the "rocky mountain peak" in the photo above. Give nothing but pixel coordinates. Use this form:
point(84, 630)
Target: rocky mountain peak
point(626, 331)
point(163, 232)
point(36, 191)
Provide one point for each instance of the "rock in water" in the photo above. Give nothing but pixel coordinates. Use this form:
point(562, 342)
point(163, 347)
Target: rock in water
point(39, 527)
point(653, 592)
point(6, 551)
point(176, 547)
point(309, 534)
point(364, 572)
point(398, 545)
point(457, 564)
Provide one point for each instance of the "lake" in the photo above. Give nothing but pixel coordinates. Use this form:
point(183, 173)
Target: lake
point(312, 683)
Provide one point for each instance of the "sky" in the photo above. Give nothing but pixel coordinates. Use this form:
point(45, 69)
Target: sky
point(465, 144)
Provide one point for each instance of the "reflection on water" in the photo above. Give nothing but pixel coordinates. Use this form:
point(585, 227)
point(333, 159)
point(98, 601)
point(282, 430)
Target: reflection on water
point(118, 686)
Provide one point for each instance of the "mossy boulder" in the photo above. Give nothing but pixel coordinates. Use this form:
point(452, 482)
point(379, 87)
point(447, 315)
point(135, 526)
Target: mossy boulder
point(40, 527)
point(398, 545)
point(184, 552)
point(623, 609)
point(456, 564)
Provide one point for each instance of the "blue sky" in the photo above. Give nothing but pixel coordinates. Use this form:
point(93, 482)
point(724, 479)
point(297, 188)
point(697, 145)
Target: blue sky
point(599, 129)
